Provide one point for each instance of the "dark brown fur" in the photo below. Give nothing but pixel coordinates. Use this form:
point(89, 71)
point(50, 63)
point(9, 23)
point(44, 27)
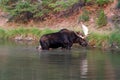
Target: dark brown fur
point(64, 39)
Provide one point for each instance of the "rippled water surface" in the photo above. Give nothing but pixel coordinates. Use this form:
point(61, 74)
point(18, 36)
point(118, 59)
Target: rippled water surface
point(24, 62)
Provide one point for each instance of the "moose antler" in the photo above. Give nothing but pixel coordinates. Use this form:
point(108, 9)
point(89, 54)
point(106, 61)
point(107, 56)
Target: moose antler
point(85, 29)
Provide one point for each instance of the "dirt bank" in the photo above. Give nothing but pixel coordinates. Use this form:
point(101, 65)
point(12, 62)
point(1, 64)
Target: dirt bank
point(70, 22)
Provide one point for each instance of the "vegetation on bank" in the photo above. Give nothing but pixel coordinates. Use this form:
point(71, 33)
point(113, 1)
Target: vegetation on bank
point(25, 10)
point(102, 19)
point(105, 40)
point(94, 39)
point(97, 39)
point(34, 33)
point(115, 37)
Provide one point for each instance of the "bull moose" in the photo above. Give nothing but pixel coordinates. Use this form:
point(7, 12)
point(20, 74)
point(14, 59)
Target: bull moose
point(64, 38)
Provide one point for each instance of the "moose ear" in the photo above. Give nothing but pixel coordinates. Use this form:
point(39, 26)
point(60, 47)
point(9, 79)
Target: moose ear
point(80, 34)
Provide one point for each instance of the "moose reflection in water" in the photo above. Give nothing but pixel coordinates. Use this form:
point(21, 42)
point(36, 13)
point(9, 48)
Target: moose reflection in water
point(77, 65)
point(63, 64)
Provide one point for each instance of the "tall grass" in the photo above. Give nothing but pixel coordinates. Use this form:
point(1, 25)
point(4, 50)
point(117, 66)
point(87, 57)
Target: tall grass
point(47, 31)
point(115, 37)
point(100, 39)
point(97, 39)
point(2, 33)
point(33, 32)
point(16, 32)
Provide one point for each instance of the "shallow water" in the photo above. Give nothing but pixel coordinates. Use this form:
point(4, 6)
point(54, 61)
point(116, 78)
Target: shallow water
point(23, 62)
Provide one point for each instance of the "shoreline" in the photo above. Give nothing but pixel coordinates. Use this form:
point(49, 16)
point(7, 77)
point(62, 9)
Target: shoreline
point(95, 39)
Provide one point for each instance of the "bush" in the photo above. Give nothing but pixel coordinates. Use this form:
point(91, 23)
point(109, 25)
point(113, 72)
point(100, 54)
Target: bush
point(97, 38)
point(114, 37)
point(19, 10)
point(118, 5)
point(2, 33)
point(99, 2)
point(23, 11)
point(102, 2)
point(102, 19)
point(61, 5)
point(84, 16)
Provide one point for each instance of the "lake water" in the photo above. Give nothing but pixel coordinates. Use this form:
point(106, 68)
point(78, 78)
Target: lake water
point(21, 61)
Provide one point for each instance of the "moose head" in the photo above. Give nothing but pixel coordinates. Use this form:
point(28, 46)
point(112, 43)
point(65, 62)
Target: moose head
point(82, 37)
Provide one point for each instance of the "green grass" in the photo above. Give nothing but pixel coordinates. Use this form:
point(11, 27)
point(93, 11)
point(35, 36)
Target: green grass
point(97, 38)
point(115, 37)
point(47, 31)
point(34, 32)
point(2, 33)
point(100, 38)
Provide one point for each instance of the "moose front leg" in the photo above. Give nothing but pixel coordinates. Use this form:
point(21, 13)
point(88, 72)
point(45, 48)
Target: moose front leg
point(67, 46)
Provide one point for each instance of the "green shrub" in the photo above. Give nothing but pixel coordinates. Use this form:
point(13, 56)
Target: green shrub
point(98, 38)
point(98, 2)
point(84, 16)
point(23, 11)
point(102, 19)
point(115, 37)
point(61, 5)
point(118, 5)
point(102, 2)
point(2, 33)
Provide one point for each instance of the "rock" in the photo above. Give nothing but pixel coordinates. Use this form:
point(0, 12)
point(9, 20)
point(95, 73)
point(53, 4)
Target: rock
point(28, 39)
point(114, 45)
point(19, 38)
